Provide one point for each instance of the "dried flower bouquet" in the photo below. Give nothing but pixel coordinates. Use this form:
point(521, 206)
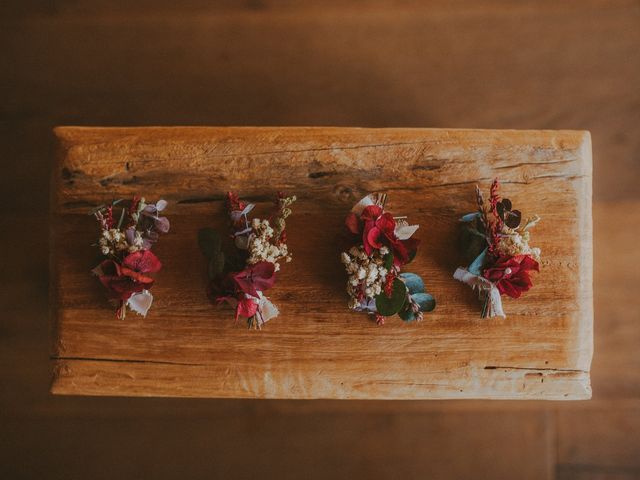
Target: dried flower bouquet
point(498, 246)
point(385, 244)
point(126, 243)
point(239, 277)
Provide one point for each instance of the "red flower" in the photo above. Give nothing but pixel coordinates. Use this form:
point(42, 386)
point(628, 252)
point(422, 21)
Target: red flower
point(379, 229)
point(123, 280)
point(511, 274)
point(259, 276)
point(353, 223)
point(246, 308)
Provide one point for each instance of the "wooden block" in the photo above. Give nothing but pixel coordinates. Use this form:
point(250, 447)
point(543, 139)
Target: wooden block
point(317, 348)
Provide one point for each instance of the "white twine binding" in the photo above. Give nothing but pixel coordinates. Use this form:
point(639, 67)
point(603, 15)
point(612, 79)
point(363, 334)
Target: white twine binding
point(487, 291)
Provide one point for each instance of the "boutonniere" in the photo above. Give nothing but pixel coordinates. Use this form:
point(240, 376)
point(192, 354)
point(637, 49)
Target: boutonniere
point(496, 241)
point(385, 243)
point(240, 275)
point(128, 231)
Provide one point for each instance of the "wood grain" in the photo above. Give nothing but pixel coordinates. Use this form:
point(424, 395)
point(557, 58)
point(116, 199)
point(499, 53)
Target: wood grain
point(317, 348)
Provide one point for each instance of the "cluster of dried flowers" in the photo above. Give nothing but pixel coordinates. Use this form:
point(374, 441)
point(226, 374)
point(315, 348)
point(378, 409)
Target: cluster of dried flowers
point(385, 244)
point(126, 243)
point(499, 251)
point(241, 276)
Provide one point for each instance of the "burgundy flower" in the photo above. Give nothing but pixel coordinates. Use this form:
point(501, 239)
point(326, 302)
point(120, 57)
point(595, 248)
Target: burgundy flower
point(260, 276)
point(511, 274)
point(234, 287)
point(123, 280)
point(379, 229)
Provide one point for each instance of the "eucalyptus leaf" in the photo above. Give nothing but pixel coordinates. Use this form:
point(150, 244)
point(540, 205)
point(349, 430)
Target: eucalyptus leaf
point(470, 217)
point(478, 264)
point(216, 265)
point(413, 282)
point(426, 301)
point(209, 242)
point(476, 232)
point(388, 306)
point(472, 245)
point(407, 315)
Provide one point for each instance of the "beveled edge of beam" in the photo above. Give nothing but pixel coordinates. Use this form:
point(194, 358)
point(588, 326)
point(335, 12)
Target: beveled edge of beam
point(95, 377)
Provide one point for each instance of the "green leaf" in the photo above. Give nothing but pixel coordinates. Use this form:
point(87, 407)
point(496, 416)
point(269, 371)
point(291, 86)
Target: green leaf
point(477, 265)
point(216, 265)
point(413, 282)
point(411, 254)
point(471, 244)
point(407, 315)
point(209, 242)
point(388, 306)
point(388, 261)
point(476, 232)
point(426, 301)
point(470, 217)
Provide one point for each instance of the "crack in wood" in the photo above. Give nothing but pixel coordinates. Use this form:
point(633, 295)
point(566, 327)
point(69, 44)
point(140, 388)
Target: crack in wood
point(533, 164)
point(125, 360)
point(534, 369)
point(213, 198)
point(321, 174)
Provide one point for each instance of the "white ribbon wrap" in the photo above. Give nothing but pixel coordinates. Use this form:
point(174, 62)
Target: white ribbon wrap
point(266, 309)
point(371, 199)
point(404, 232)
point(486, 289)
point(140, 302)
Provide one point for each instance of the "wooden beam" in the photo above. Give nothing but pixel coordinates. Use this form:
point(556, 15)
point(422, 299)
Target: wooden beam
point(317, 348)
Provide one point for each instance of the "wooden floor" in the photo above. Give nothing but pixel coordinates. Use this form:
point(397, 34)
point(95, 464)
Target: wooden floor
point(495, 64)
